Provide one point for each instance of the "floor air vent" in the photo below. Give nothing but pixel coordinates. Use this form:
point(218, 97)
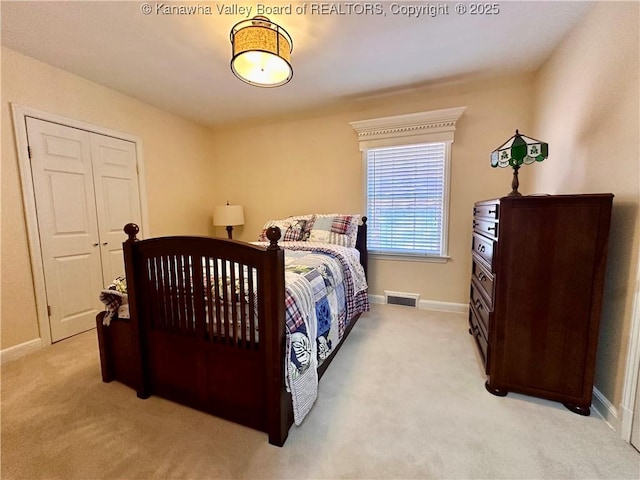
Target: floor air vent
point(400, 298)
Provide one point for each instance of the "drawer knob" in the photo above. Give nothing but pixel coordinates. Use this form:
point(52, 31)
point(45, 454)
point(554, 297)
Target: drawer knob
point(491, 228)
point(492, 211)
point(481, 248)
point(478, 304)
point(482, 277)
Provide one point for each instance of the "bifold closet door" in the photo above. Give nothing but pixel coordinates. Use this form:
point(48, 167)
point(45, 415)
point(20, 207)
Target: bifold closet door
point(117, 198)
point(79, 181)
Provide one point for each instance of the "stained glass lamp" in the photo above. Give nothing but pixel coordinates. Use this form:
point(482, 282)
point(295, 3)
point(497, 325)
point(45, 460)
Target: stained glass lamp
point(516, 151)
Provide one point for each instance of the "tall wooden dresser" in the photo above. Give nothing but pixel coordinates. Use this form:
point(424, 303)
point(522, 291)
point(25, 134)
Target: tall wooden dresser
point(536, 293)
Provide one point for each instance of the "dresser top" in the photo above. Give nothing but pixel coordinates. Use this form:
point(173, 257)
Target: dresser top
point(549, 198)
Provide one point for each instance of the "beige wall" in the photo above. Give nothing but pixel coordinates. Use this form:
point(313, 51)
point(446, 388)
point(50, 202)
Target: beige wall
point(587, 109)
point(584, 102)
point(313, 164)
point(178, 160)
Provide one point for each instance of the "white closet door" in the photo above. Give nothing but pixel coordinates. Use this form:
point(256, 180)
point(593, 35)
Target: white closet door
point(62, 174)
point(117, 198)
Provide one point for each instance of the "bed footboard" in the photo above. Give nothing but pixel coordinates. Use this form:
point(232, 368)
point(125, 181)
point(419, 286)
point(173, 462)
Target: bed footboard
point(206, 328)
point(116, 351)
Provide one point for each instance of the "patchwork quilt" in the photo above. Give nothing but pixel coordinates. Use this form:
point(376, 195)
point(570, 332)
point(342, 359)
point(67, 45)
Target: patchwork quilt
point(325, 287)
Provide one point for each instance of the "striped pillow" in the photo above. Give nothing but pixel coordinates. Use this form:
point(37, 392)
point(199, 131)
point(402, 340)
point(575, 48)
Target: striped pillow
point(334, 228)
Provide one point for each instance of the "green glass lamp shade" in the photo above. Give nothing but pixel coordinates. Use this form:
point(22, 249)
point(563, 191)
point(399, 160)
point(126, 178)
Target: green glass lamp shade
point(519, 150)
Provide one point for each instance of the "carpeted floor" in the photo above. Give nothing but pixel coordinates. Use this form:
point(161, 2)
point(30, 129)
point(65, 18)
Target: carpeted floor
point(403, 399)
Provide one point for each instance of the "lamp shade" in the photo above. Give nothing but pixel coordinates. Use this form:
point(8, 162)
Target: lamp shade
point(261, 52)
point(228, 215)
point(519, 150)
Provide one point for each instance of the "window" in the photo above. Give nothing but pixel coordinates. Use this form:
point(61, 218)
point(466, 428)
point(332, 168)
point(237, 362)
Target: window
point(406, 196)
point(407, 182)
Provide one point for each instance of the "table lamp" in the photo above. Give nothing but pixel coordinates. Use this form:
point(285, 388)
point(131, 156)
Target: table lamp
point(516, 151)
point(228, 215)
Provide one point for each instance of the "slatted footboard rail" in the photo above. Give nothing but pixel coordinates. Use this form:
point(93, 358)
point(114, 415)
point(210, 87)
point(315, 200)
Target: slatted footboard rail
point(207, 320)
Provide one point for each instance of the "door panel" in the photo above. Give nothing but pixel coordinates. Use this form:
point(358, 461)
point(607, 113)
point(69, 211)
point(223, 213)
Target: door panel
point(68, 204)
point(65, 201)
point(117, 198)
point(73, 306)
point(113, 261)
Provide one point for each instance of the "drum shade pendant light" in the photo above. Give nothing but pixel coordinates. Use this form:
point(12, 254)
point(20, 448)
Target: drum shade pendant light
point(261, 52)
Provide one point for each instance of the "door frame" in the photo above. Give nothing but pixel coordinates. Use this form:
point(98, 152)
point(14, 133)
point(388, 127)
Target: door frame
point(20, 114)
point(632, 371)
point(631, 385)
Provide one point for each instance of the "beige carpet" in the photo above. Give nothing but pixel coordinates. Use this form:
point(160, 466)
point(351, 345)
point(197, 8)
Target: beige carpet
point(403, 399)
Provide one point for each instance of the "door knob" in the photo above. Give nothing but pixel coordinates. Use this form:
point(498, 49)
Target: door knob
point(96, 244)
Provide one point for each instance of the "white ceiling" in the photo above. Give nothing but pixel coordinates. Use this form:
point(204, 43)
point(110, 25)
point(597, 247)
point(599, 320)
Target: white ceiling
point(181, 62)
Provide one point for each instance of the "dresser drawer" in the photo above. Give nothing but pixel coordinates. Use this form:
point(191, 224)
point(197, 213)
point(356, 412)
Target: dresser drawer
point(491, 210)
point(484, 248)
point(481, 308)
point(478, 335)
point(486, 227)
point(484, 279)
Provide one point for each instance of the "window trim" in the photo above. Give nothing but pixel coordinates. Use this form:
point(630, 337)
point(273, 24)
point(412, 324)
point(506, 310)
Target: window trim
point(436, 126)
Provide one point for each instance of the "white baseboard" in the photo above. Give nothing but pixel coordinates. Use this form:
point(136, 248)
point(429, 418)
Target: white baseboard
point(605, 409)
point(376, 299)
point(17, 351)
point(429, 304)
point(443, 306)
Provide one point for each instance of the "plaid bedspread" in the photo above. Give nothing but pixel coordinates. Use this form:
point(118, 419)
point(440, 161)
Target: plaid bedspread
point(115, 300)
point(325, 287)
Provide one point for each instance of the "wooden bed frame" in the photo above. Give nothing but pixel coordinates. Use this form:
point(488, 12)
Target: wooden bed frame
point(171, 346)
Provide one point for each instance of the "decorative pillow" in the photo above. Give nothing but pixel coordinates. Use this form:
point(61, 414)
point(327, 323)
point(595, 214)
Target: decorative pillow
point(297, 230)
point(334, 228)
point(292, 229)
point(306, 221)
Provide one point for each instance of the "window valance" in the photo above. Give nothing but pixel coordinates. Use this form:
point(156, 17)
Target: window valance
point(412, 128)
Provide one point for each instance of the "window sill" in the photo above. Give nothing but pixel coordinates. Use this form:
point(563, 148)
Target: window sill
point(410, 258)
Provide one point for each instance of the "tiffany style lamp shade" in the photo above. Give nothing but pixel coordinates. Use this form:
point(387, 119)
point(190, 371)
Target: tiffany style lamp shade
point(516, 151)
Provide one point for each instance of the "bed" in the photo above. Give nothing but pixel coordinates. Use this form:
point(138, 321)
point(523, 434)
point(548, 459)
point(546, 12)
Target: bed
point(239, 330)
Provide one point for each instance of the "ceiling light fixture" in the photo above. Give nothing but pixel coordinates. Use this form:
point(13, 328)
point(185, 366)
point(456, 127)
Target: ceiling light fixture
point(261, 52)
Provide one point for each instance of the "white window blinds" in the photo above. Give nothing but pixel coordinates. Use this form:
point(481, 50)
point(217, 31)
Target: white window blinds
point(406, 198)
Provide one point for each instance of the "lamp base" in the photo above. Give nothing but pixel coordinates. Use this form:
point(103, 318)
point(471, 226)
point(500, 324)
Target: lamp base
point(229, 230)
point(514, 183)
